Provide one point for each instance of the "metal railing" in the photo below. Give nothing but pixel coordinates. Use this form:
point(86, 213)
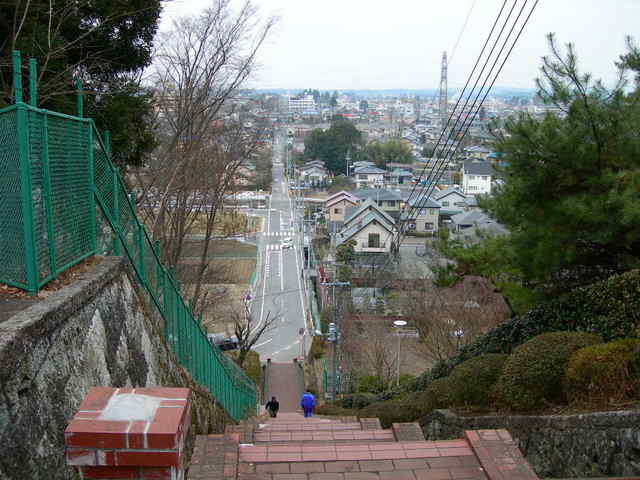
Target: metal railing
point(63, 200)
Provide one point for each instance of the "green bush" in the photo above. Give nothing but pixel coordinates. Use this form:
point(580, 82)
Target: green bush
point(610, 308)
point(602, 374)
point(472, 381)
point(533, 374)
point(407, 409)
point(332, 409)
point(439, 393)
point(357, 400)
point(371, 384)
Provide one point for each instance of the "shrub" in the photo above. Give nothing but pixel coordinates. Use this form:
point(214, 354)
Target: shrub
point(533, 373)
point(357, 400)
point(371, 383)
point(333, 409)
point(439, 393)
point(610, 308)
point(602, 374)
point(407, 409)
point(472, 381)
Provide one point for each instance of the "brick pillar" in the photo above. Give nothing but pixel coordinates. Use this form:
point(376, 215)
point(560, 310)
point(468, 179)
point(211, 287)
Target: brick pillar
point(132, 433)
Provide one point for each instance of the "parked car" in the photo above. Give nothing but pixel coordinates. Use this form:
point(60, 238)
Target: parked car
point(287, 243)
point(222, 341)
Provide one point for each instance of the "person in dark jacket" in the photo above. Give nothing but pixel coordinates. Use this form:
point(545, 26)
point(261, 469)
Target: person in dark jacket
point(272, 407)
point(308, 403)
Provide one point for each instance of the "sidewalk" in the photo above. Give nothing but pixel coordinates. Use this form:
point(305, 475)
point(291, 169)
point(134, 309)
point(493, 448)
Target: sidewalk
point(284, 381)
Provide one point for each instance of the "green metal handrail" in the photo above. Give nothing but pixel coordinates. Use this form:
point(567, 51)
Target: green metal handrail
point(56, 178)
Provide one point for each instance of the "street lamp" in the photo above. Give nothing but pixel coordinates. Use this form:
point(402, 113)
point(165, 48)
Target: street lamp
point(399, 324)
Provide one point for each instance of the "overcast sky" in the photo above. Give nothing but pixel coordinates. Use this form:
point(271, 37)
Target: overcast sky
point(380, 44)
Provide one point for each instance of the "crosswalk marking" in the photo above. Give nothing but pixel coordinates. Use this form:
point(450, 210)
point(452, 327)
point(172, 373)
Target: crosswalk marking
point(285, 233)
point(276, 246)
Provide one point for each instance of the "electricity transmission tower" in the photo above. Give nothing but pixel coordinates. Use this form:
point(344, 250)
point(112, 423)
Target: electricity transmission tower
point(442, 100)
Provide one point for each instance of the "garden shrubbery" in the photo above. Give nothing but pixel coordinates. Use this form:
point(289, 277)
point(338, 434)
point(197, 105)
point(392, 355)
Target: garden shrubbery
point(610, 308)
point(471, 382)
point(371, 384)
point(532, 375)
point(357, 400)
point(603, 374)
point(405, 409)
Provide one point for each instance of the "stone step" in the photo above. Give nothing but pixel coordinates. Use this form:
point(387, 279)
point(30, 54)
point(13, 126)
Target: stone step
point(355, 451)
point(306, 427)
point(268, 436)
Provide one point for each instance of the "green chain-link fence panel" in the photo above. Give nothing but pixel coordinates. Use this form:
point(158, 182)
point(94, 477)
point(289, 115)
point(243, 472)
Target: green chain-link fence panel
point(62, 201)
point(12, 242)
point(208, 365)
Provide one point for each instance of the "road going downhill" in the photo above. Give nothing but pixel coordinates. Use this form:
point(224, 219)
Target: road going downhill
point(279, 289)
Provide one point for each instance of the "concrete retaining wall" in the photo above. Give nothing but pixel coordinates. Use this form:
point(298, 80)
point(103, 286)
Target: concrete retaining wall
point(98, 331)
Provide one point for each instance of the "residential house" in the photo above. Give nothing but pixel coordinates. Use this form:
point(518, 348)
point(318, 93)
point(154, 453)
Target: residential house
point(370, 228)
point(387, 200)
point(476, 177)
point(467, 223)
point(355, 214)
point(399, 176)
point(422, 215)
point(369, 177)
point(477, 152)
point(313, 174)
point(452, 201)
point(335, 206)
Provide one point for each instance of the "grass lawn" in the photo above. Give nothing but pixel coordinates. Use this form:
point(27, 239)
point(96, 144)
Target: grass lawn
point(220, 248)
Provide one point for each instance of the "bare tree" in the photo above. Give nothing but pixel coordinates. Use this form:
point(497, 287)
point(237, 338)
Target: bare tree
point(248, 331)
point(448, 318)
point(200, 65)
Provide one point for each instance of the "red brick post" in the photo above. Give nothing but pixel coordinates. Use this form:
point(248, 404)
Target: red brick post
point(130, 433)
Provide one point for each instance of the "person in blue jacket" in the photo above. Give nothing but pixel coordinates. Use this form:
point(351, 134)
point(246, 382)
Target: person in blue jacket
point(308, 403)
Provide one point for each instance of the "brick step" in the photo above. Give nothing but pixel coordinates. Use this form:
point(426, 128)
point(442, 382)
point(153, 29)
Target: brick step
point(355, 451)
point(297, 427)
point(261, 436)
point(449, 468)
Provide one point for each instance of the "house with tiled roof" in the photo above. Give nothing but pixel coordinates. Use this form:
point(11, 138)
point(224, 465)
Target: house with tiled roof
point(369, 177)
point(370, 229)
point(421, 215)
point(336, 205)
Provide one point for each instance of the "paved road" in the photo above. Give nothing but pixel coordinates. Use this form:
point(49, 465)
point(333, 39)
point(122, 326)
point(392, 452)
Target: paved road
point(279, 289)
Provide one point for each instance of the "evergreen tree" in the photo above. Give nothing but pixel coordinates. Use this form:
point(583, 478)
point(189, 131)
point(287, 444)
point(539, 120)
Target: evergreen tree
point(571, 188)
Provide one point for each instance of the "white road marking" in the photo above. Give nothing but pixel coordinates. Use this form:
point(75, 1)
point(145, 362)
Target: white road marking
point(263, 343)
point(281, 270)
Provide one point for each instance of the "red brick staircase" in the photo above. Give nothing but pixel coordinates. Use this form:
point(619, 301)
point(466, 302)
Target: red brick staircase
point(291, 447)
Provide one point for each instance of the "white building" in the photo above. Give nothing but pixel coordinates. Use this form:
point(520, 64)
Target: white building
point(302, 104)
point(476, 177)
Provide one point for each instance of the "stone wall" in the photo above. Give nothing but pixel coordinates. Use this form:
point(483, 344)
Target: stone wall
point(98, 331)
point(594, 444)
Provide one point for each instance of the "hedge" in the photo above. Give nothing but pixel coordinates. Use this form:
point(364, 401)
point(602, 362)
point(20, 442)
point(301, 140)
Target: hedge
point(532, 375)
point(602, 374)
point(610, 308)
point(472, 381)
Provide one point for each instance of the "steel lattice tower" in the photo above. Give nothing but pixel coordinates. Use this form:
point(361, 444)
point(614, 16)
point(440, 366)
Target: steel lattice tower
point(442, 101)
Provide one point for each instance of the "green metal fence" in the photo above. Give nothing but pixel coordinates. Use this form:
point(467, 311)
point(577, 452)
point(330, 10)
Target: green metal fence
point(63, 200)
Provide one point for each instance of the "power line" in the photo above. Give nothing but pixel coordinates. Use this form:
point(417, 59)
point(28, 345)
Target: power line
point(434, 176)
point(464, 26)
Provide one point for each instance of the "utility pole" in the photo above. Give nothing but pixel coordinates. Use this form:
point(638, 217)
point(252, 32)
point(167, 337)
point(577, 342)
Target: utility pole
point(334, 335)
point(442, 97)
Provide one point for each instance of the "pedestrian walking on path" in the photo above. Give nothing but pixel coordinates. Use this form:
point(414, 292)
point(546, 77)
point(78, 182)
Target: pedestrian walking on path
point(272, 407)
point(308, 403)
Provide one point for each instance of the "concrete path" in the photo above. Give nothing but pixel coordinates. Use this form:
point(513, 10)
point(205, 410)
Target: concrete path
point(285, 382)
